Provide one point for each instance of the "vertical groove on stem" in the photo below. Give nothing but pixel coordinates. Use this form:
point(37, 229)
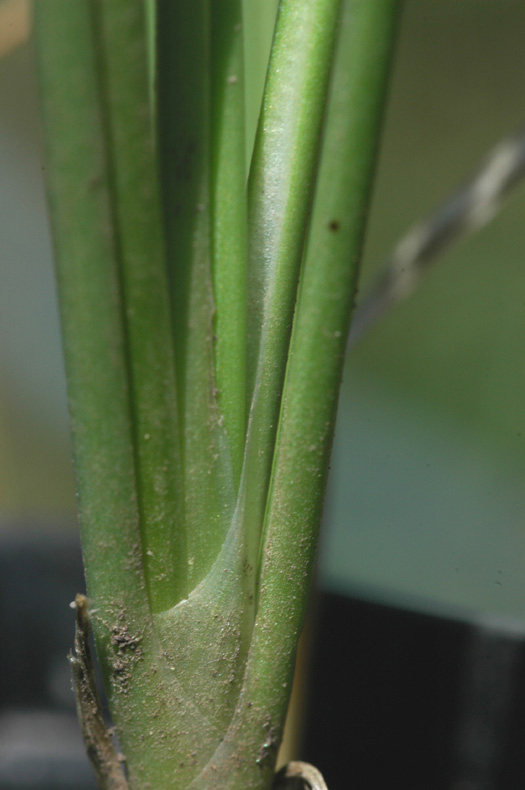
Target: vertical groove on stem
point(124, 86)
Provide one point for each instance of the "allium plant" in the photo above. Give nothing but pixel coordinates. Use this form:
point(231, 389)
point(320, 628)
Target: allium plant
point(205, 309)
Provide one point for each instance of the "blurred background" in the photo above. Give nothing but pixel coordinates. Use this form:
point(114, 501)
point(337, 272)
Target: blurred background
point(417, 672)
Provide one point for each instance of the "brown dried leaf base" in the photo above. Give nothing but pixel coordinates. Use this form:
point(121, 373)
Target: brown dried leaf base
point(99, 746)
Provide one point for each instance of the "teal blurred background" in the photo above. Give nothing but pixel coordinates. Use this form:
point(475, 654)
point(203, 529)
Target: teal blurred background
point(426, 505)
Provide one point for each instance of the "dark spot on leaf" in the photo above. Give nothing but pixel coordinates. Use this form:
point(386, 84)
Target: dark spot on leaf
point(334, 225)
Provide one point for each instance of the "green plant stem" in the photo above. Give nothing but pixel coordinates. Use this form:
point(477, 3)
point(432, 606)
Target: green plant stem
point(138, 221)
point(183, 64)
point(150, 11)
point(229, 221)
point(319, 339)
point(195, 702)
point(280, 193)
point(138, 678)
point(258, 26)
point(282, 171)
point(311, 389)
point(96, 287)
point(91, 305)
